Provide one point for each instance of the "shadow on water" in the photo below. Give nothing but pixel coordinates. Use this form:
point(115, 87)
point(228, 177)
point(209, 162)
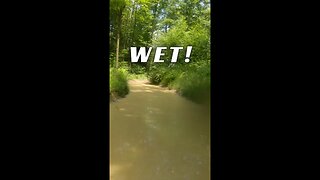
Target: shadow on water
point(156, 134)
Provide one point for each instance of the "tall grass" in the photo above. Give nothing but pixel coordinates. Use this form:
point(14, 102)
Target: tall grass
point(191, 81)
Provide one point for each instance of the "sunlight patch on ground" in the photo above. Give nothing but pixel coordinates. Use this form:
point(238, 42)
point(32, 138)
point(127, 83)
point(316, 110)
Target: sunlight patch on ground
point(116, 170)
point(128, 115)
point(141, 91)
point(145, 86)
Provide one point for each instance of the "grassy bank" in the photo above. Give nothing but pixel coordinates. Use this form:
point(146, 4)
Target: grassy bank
point(118, 83)
point(191, 81)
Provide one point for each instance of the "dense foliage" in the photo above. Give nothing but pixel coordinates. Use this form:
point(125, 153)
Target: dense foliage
point(152, 23)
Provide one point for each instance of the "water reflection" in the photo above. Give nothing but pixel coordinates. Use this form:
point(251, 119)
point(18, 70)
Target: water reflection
point(158, 135)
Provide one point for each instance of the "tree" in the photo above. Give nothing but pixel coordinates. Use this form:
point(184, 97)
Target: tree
point(117, 8)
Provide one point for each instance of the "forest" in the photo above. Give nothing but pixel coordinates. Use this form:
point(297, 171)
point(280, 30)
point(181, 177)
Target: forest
point(161, 23)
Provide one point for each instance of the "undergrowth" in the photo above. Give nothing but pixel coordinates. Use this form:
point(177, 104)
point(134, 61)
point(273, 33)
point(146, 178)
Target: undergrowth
point(191, 81)
point(118, 83)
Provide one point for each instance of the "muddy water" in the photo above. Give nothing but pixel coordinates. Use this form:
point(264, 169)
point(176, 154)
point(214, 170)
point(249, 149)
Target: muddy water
point(156, 134)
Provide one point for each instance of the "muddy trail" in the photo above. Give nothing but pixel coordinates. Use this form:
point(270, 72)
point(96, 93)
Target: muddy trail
point(155, 134)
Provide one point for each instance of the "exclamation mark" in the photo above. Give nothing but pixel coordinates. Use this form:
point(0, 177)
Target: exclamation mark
point(189, 48)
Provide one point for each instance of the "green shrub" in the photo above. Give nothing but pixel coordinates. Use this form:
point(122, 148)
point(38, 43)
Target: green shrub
point(118, 82)
point(170, 76)
point(194, 86)
point(156, 74)
point(191, 81)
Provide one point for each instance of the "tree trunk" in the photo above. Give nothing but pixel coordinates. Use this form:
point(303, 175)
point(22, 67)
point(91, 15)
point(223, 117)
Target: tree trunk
point(133, 26)
point(118, 39)
point(117, 50)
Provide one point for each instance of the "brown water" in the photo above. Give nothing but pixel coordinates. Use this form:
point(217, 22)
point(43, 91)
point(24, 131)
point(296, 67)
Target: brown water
point(156, 134)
